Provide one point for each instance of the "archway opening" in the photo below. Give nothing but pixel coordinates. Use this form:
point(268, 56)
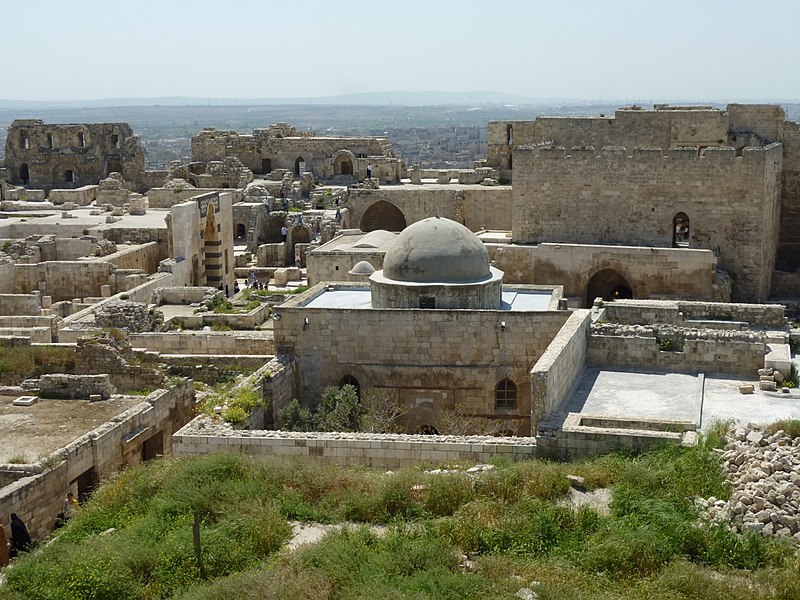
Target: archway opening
point(24, 174)
point(427, 430)
point(114, 166)
point(343, 165)
point(680, 231)
point(241, 231)
point(299, 165)
point(383, 215)
point(608, 285)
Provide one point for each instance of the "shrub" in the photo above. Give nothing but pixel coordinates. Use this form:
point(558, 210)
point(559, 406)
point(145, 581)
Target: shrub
point(295, 417)
point(338, 410)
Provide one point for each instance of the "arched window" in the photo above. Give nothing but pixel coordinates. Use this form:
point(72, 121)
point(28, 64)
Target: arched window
point(680, 230)
point(505, 394)
point(299, 165)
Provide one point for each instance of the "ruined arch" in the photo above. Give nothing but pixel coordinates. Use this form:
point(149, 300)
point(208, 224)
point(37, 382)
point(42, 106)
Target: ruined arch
point(343, 163)
point(608, 285)
point(383, 215)
point(300, 234)
point(680, 231)
point(297, 163)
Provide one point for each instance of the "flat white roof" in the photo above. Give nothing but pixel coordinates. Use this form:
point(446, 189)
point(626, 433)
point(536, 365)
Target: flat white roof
point(514, 300)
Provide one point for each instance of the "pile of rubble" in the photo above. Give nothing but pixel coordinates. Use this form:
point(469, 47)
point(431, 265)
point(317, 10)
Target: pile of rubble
point(764, 473)
point(771, 380)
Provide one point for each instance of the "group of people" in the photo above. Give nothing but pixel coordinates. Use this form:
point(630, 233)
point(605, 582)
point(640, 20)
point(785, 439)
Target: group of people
point(20, 540)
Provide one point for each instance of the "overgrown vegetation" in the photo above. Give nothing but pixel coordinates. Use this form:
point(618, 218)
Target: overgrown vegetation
point(341, 409)
point(237, 403)
point(23, 362)
point(508, 521)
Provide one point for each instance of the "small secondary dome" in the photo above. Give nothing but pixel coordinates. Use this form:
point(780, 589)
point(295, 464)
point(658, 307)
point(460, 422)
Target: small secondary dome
point(362, 268)
point(437, 250)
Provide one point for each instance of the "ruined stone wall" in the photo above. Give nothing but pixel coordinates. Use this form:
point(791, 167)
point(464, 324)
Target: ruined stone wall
point(266, 150)
point(73, 155)
point(437, 359)
point(610, 198)
point(102, 356)
point(475, 206)
point(6, 275)
point(20, 304)
point(64, 280)
point(143, 257)
point(696, 350)
point(37, 498)
point(765, 121)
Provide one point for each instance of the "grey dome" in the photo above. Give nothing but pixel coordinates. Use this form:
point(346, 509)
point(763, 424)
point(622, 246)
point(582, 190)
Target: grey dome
point(437, 250)
point(362, 268)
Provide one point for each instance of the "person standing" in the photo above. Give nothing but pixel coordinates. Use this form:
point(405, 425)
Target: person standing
point(369, 170)
point(284, 232)
point(20, 538)
point(70, 508)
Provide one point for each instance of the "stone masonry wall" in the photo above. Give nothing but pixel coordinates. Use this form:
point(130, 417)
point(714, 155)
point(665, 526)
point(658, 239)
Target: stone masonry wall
point(555, 373)
point(611, 198)
point(373, 450)
point(438, 359)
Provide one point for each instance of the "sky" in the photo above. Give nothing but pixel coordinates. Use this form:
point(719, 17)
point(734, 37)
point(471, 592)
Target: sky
point(643, 51)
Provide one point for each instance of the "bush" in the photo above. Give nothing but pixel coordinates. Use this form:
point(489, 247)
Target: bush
point(338, 410)
point(295, 417)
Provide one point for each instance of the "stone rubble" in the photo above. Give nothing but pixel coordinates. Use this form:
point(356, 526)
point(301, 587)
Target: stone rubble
point(764, 473)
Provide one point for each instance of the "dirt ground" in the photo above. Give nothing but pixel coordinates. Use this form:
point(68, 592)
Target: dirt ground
point(33, 432)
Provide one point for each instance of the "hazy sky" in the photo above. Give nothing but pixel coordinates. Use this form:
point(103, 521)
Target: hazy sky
point(617, 50)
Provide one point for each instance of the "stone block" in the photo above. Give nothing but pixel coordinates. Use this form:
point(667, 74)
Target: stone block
point(746, 388)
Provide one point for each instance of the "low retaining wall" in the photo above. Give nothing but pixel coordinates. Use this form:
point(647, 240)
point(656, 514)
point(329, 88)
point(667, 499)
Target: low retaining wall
point(201, 437)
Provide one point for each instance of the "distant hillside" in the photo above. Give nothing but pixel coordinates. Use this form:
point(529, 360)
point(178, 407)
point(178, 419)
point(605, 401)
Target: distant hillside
point(431, 98)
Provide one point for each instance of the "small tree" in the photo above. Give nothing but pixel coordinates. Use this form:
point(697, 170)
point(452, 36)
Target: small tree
point(381, 411)
point(338, 409)
point(295, 417)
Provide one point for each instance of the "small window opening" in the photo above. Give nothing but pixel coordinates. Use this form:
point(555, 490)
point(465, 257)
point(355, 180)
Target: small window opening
point(24, 142)
point(69, 176)
point(81, 139)
point(427, 301)
point(51, 143)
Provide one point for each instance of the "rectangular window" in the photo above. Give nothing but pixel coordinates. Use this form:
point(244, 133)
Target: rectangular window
point(427, 301)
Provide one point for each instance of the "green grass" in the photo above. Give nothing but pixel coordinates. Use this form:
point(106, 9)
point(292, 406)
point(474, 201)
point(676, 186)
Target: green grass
point(19, 363)
point(507, 520)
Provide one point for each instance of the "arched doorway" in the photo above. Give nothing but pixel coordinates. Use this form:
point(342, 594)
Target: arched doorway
point(24, 174)
point(241, 231)
point(383, 215)
point(608, 285)
point(113, 166)
point(299, 164)
point(343, 165)
point(680, 231)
